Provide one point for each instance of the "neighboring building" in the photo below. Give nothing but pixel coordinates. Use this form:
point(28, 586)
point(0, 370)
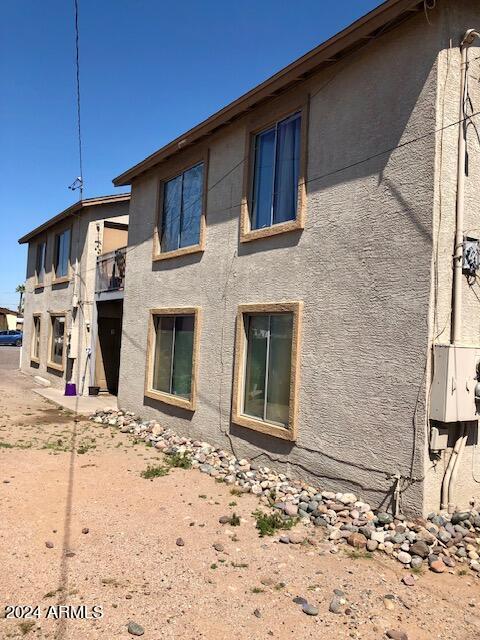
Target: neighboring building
point(74, 294)
point(290, 265)
point(9, 320)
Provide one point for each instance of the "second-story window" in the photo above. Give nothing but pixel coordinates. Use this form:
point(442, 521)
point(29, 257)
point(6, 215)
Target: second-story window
point(62, 253)
point(276, 173)
point(40, 263)
point(182, 210)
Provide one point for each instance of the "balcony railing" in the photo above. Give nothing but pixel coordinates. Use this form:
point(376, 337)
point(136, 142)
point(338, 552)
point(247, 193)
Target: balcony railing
point(111, 271)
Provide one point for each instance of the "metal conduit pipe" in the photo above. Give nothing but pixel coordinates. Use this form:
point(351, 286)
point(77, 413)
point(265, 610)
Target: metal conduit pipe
point(449, 479)
point(446, 491)
point(456, 465)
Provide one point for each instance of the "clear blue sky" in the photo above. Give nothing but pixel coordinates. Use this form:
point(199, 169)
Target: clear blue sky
point(150, 69)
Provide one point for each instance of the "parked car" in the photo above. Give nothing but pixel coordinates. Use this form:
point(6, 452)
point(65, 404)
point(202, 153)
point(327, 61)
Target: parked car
point(13, 337)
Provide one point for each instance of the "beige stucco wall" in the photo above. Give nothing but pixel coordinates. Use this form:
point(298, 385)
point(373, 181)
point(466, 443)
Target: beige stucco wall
point(362, 267)
point(59, 297)
point(456, 18)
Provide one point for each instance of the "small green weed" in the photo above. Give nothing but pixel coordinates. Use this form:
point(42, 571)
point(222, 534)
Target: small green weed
point(179, 461)
point(269, 523)
point(152, 472)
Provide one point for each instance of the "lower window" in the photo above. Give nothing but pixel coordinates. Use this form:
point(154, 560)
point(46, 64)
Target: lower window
point(57, 342)
point(36, 338)
point(266, 368)
point(172, 346)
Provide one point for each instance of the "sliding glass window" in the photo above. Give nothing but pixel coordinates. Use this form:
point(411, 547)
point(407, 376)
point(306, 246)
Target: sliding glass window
point(268, 367)
point(173, 357)
point(182, 210)
point(276, 173)
point(40, 263)
point(62, 253)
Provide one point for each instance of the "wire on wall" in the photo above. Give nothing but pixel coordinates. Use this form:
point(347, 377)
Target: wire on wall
point(78, 183)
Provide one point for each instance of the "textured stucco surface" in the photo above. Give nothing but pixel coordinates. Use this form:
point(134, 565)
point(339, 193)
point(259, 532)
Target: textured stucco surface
point(454, 19)
point(362, 267)
point(55, 298)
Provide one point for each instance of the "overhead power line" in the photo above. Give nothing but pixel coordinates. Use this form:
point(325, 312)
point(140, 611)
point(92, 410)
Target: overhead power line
point(78, 182)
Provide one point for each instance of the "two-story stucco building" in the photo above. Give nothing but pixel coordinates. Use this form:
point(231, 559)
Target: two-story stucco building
point(291, 273)
point(74, 295)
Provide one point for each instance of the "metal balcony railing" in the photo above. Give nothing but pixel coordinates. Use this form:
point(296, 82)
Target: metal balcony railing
point(111, 271)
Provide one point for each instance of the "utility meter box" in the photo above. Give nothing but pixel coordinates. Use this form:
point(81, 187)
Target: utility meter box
point(72, 351)
point(452, 397)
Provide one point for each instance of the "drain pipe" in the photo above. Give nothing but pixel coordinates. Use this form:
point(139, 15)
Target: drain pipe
point(449, 479)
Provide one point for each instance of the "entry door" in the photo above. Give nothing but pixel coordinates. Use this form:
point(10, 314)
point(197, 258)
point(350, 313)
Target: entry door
point(109, 342)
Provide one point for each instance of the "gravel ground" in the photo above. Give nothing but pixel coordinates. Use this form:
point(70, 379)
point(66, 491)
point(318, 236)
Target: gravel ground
point(59, 477)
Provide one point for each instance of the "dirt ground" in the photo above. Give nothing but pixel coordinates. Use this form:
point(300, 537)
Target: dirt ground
point(59, 476)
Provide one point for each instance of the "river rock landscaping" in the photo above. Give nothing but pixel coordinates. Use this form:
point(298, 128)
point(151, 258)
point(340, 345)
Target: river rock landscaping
point(440, 541)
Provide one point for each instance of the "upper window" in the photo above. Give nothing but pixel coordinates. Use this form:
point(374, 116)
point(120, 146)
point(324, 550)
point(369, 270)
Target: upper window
point(57, 342)
point(172, 356)
point(40, 263)
point(275, 173)
point(62, 253)
point(182, 210)
point(274, 194)
point(266, 368)
point(36, 338)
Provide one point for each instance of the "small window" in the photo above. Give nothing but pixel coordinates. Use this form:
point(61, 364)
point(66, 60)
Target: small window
point(62, 254)
point(40, 263)
point(266, 368)
point(172, 356)
point(181, 219)
point(36, 338)
point(276, 173)
point(57, 342)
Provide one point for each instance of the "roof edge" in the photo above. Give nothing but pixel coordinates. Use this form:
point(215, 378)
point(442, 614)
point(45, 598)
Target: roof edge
point(328, 52)
point(77, 206)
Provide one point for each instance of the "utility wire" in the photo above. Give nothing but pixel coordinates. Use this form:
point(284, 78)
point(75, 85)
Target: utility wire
point(79, 123)
point(130, 250)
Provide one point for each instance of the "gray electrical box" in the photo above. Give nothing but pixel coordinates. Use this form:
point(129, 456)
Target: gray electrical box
point(452, 397)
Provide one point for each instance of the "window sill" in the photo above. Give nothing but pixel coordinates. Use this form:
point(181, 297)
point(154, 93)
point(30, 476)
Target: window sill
point(39, 287)
point(34, 360)
point(282, 227)
point(265, 427)
point(54, 365)
point(167, 398)
point(196, 248)
point(61, 280)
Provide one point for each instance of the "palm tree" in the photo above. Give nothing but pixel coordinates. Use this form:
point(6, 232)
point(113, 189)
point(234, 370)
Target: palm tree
point(21, 290)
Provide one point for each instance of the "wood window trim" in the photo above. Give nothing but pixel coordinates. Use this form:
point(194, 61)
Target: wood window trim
point(40, 285)
point(157, 253)
point(34, 358)
point(285, 433)
point(247, 234)
point(50, 364)
point(161, 396)
point(68, 277)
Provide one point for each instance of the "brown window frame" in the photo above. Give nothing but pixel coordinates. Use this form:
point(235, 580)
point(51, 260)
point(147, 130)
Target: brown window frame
point(50, 364)
point(161, 396)
point(255, 127)
point(61, 279)
point(238, 417)
point(174, 170)
point(33, 357)
point(38, 284)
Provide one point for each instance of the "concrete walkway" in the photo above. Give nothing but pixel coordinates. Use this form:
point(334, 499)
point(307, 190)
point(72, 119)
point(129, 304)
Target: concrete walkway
point(78, 404)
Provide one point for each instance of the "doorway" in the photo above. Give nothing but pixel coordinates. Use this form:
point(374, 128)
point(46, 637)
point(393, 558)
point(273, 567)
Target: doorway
point(109, 342)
